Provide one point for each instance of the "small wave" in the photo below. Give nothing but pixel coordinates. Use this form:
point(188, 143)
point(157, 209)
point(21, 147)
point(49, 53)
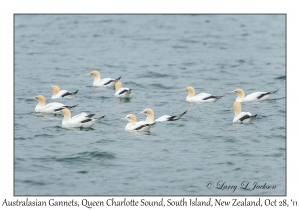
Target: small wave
point(99, 155)
point(274, 155)
point(279, 136)
point(245, 34)
point(178, 47)
point(43, 135)
point(161, 40)
point(104, 97)
point(85, 156)
point(82, 172)
point(19, 159)
point(241, 61)
point(160, 86)
point(105, 21)
point(188, 41)
point(112, 66)
point(152, 74)
point(29, 99)
point(21, 138)
point(228, 163)
point(282, 77)
point(57, 127)
point(190, 64)
point(31, 182)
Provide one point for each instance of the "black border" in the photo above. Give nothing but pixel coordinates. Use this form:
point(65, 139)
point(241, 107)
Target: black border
point(285, 14)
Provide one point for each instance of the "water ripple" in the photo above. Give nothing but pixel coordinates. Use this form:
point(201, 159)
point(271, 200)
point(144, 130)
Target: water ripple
point(152, 74)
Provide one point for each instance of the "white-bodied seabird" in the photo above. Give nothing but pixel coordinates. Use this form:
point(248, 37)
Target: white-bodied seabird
point(241, 117)
point(81, 120)
point(202, 97)
point(133, 125)
point(105, 82)
point(256, 96)
point(57, 93)
point(122, 92)
point(150, 116)
point(53, 107)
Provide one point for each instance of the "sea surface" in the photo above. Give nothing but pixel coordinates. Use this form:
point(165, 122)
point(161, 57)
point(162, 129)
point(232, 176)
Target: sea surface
point(157, 56)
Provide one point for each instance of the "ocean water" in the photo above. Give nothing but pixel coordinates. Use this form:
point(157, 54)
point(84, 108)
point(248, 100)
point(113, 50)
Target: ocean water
point(157, 56)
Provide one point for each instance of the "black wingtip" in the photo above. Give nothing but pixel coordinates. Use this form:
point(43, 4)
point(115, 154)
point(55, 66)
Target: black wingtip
point(179, 116)
point(117, 79)
point(76, 92)
point(99, 118)
point(70, 107)
point(90, 115)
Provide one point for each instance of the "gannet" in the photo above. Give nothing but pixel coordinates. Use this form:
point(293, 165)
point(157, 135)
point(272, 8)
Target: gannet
point(122, 92)
point(57, 93)
point(105, 82)
point(202, 97)
point(241, 117)
point(256, 96)
point(133, 125)
point(54, 107)
point(81, 120)
point(150, 116)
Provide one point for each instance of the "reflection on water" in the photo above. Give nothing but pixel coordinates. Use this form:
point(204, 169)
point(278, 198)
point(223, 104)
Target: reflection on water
point(48, 116)
point(123, 100)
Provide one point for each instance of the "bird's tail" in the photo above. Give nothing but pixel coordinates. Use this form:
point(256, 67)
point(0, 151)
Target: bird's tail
point(179, 116)
point(99, 118)
point(70, 107)
point(74, 92)
point(90, 115)
point(218, 97)
point(272, 92)
point(117, 79)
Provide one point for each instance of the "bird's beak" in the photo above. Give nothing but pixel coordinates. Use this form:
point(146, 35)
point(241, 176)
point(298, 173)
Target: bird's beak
point(182, 90)
point(51, 85)
point(141, 112)
point(36, 97)
point(124, 118)
point(88, 74)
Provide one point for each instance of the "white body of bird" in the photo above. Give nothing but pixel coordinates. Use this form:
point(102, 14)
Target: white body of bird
point(241, 117)
point(256, 96)
point(122, 92)
point(133, 125)
point(201, 97)
point(81, 120)
point(105, 82)
point(150, 116)
point(57, 93)
point(53, 107)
